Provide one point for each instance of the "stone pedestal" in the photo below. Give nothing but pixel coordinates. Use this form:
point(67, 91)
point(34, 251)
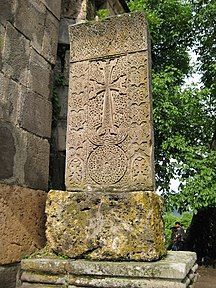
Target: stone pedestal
point(111, 211)
point(177, 269)
point(107, 226)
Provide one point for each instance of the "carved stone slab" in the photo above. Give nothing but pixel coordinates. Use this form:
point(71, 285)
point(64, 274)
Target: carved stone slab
point(110, 133)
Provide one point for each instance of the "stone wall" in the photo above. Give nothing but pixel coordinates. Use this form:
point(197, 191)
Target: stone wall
point(28, 42)
point(28, 46)
point(72, 12)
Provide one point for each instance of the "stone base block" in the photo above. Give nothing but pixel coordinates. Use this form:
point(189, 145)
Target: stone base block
point(22, 222)
point(9, 275)
point(177, 269)
point(105, 226)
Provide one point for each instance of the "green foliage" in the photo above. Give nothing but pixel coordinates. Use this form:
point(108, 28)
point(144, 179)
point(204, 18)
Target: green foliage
point(170, 24)
point(103, 13)
point(205, 22)
point(184, 117)
point(45, 252)
point(169, 221)
point(59, 81)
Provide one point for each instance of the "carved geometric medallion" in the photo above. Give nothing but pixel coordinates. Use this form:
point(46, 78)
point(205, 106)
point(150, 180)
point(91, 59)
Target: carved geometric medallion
point(107, 164)
point(109, 133)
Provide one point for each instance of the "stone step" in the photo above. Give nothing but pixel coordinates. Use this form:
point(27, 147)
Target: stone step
point(177, 269)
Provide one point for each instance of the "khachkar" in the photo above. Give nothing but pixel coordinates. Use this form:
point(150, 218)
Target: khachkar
point(110, 209)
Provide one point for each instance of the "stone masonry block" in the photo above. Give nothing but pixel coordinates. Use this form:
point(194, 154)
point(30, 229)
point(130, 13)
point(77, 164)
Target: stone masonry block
point(7, 152)
point(8, 275)
point(105, 226)
point(173, 270)
point(30, 20)
point(7, 9)
point(54, 7)
point(35, 114)
point(36, 167)
point(175, 265)
point(50, 39)
point(12, 153)
point(9, 99)
point(64, 30)
point(39, 75)
point(72, 8)
point(22, 222)
point(16, 55)
point(24, 157)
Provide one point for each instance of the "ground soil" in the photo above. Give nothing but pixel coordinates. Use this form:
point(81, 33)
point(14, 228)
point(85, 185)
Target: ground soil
point(207, 278)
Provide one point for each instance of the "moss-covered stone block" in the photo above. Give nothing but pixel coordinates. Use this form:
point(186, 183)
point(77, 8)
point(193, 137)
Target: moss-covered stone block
point(105, 226)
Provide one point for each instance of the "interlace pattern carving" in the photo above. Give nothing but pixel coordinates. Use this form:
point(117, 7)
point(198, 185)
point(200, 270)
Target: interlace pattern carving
point(109, 140)
point(108, 126)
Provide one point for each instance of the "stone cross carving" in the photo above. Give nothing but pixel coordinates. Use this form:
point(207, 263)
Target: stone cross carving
point(109, 136)
point(114, 214)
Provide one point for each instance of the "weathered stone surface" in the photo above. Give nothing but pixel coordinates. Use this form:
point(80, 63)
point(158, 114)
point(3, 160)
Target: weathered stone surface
point(67, 67)
point(175, 265)
point(22, 222)
point(7, 9)
point(9, 99)
point(116, 7)
point(54, 6)
point(36, 167)
point(9, 275)
point(32, 285)
point(109, 37)
point(2, 39)
point(30, 160)
point(30, 19)
point(62, 92)
point(3, 103)
point(74, 9)
point(110, 133)
point(64, 30)
point(105, 225)
point(7, 153)
point(2, 100)
point(61, 130)
point(39, 75)
point(50, 39)
point(172, 271)
point(16, 55)
point(35, 114)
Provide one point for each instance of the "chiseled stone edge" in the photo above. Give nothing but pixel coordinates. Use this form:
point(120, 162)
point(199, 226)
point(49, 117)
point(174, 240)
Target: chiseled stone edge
point(121, 41)
point(101, 281)
point(176, 265)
